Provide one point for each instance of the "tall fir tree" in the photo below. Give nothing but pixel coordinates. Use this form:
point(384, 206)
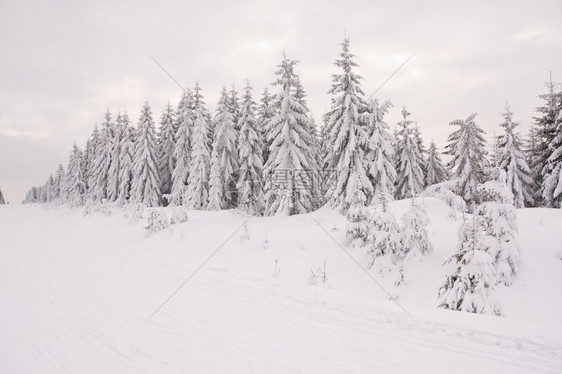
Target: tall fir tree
point(348, 137)
point(410, 177)
point(266, 111)
point(182, 151)
point(435, 170)
point(552, 185)
point(545, 127)
point(145, 188)
point(115, 167)
point(380, 155)
point(224, 158)
point(2, 201)
point(102, 159)
point(250, 178)
point(59, 182)
point(166, 149)
point(74, 186)
point(89, 159)
point(467, 148)
point(512, 161)
point(197, 193)
point(233, 103)
point(288, 187)
point(126, 157)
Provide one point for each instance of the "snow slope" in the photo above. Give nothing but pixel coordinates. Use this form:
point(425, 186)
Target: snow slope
point(76, 294)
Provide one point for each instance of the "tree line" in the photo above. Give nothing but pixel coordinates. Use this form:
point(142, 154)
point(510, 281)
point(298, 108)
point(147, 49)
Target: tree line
point(272, 158)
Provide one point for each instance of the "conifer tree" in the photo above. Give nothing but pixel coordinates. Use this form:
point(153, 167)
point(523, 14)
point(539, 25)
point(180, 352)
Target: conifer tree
point(288, 187)
point(380, 156)
point(467, 148)
point(358, 220)
point(552, 185)
point(2, 201)
point(102, 161)
point(384, 236)
point(410, 177)
point(499, 221)
point(89, 160)
point(414, 237)
point(435, 171)
point(348, 137)
point(74, 187)
point(266, 112)
point(182, 152)
point(545, 126)
point(145, 188)
point(512, 161)
point(250, 182)
point(58, 184)
point(126, 156)
point(233, 103)
point(197, 193)
point(224, 158)
point(470, 286)
point(114, 168)
point(166, 149)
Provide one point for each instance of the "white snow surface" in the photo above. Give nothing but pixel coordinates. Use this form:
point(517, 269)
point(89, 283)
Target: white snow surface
point(76, 294)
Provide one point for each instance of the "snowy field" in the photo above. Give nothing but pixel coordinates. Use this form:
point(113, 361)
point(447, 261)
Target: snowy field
point(76, 294)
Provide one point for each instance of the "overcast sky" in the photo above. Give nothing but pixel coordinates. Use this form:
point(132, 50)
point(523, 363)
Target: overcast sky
point(65, 62)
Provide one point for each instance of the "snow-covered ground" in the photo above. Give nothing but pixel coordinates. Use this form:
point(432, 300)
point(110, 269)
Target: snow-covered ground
point(76, 294)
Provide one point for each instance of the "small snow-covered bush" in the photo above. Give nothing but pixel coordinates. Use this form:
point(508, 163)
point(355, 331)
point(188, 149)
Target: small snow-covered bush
point(470, 285)
point(179, 215)
point(244, 233)
point(358, 220)
point(157, 221)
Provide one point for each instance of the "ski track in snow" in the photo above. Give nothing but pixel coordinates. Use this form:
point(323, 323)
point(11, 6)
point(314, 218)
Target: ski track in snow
point(75, 295)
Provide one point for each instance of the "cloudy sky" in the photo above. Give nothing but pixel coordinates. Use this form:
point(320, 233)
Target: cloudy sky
point(65, 62)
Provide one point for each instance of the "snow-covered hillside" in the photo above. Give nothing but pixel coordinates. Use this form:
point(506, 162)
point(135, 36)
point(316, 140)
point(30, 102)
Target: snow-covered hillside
point(77, 293)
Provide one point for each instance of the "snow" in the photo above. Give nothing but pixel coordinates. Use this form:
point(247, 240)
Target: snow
point(76, 292)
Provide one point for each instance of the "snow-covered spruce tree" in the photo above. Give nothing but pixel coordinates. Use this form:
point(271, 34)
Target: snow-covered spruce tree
point(545, 125)
point(410, 177)
point(266, 112)
point(233, 103)
point(74, 186)
point(89, 160)
point(552, 185)
point(2, 201)
point(380, 155)
point(467, 148)
point(199, 105)
point(288, 187)
point(384, 235)
point(224, 158)
point(115, 167)
point(532, 156)
point(182, 152)
point(126, 156)
point(435, 171)
point(145, 188)
point(102, 163)
point(499, 221)
point(197, 192)
point(358, 220)
point(416, 132)
point(348, 137)
point(512, 161)
point(470, 285)
point(58, 185)
point(250, 182)
point(414, 238)
point(166, 149)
